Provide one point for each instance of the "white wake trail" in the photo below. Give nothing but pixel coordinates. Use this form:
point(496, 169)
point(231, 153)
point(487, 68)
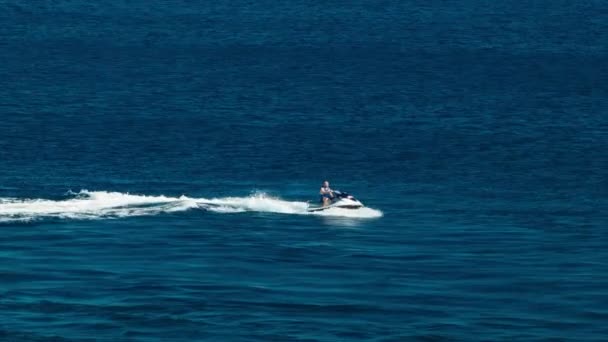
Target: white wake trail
point(103, 204)
point(91, 205)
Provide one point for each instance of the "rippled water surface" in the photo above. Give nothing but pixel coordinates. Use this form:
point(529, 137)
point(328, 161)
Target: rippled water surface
point(156, 159)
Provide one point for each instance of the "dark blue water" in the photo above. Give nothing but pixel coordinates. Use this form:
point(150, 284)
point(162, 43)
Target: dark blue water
point(475, 132)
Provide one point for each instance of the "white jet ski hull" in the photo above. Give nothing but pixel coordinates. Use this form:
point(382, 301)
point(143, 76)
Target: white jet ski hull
point(343, 203)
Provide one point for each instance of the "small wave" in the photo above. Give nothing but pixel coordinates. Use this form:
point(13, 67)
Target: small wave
point(102, 204)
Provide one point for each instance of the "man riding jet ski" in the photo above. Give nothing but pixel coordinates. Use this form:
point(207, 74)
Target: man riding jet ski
point(335, 199)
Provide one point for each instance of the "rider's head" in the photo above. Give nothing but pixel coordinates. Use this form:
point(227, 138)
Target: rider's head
point(325, 184)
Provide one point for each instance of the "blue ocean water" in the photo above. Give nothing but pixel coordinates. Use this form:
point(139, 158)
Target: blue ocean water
point(156, 158)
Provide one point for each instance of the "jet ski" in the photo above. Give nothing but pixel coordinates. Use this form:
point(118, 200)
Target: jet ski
point(340, 200)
